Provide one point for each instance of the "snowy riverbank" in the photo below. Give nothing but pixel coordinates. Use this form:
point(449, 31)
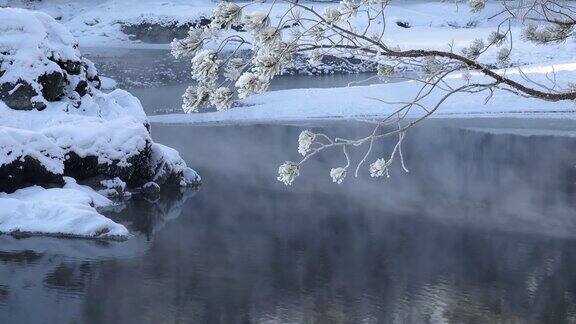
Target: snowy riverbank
point(57, 128)
point(376, 101)
point(432, 24)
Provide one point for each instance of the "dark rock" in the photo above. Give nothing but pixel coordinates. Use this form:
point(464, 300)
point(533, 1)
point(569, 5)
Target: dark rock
point(166, 177)
point(95, 81)
point(135, 175)
point(96, 183)
point(23, 173)
point(403, 24)
point(156, 33)
point(27, 172)
point(163, 33)
point(82, 88)
point(69, 66)
point(19, 96)
point(330, 65)
point(150, 190)
point(53, 85)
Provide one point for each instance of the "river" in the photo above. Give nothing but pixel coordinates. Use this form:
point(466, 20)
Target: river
point(481, 230)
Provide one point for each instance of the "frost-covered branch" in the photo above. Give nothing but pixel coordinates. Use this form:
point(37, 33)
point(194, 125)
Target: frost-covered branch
point(355, 28)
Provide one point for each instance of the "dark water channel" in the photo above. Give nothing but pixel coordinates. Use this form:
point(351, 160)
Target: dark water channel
point(481, 230)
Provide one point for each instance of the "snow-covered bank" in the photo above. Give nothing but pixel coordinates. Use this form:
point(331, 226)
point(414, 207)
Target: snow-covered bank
point(67, 211)
point(432, 24)
point(367, 102)
point(57, 127)
point(97, 23)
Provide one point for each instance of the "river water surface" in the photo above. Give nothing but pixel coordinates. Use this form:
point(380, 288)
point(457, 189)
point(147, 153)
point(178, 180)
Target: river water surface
point(481, 230)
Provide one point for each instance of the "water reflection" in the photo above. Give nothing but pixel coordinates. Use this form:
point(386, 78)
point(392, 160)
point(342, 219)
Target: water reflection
point(44, 279)
point(481, 230)
point(144, 216)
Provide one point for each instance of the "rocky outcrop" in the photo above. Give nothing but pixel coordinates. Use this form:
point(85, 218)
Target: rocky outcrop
point(82, 133)
point(159, 32)
point(26, 172)
point(162, 31)
point(72, 80)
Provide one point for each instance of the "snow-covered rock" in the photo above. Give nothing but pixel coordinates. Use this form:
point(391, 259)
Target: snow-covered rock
point(169, 168)
point(65, 130)
point(106, 136)
point(39, 61)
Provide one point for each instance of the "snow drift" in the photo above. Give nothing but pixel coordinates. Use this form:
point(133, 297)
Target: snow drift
point(68, 211)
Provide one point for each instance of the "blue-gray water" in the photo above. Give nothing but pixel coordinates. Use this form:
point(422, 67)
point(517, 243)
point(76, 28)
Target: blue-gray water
point(481, 230)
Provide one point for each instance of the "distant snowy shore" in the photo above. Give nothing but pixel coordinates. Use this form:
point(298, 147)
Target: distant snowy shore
point(432, 24)
point(441, 25)
point(372, 102)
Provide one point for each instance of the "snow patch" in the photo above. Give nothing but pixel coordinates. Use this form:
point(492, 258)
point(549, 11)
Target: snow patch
point(68, 211)
point(107, 83)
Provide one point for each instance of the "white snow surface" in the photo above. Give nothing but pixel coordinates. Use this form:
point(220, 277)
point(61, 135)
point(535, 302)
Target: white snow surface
point(433, 24)
point(107, 83)
point(29, 38)
point(381, 100)
point(69, 211)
